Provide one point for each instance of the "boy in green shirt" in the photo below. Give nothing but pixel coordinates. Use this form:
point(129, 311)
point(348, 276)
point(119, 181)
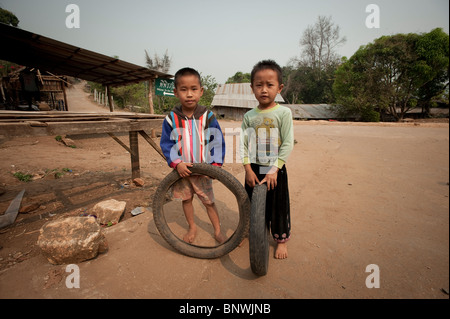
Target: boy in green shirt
point(266, 144)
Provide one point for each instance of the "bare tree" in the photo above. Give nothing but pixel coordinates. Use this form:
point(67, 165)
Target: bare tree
point(161, 64)
point(309, 78)
point(319, 42)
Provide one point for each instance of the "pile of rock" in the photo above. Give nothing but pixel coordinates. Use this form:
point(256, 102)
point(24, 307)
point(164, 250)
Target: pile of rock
point(72, 240)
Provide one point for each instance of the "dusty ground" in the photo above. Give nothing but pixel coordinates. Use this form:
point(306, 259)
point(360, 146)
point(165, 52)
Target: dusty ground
point(360, 195)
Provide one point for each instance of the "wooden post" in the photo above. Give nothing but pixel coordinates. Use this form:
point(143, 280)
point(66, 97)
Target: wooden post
point(150, 97)
point(134, 146)
point(1, 89)
point(66, 107)
point(108, 91)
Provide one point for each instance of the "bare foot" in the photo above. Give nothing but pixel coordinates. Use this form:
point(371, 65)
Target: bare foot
point(220, 238)
point(190, 235)
point(281, 251)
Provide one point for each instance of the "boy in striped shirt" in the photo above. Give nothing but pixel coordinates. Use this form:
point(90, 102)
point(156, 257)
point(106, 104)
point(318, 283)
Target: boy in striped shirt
point(191, 134)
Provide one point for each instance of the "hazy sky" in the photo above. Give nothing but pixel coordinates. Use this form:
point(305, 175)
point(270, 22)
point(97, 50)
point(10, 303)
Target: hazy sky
point(219, 38)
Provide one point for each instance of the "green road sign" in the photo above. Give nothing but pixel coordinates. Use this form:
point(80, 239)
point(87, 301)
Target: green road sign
point(164, 87)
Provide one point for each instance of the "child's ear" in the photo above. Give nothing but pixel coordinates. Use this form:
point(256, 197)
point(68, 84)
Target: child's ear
point(175, 92)
point(280, 88)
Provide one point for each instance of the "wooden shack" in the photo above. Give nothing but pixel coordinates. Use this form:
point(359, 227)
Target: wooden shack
point(52, 90)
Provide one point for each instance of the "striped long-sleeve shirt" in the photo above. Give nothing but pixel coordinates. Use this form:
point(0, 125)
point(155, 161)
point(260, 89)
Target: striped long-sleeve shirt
point(198, 139)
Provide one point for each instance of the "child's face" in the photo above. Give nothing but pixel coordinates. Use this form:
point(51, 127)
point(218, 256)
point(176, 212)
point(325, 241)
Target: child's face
point(265, 87)
point(188, 91)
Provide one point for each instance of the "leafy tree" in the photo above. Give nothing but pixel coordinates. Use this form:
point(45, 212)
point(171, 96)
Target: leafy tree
point(209, 90)
point(292, 86)
point(302, 85)
point(350, 90)
point(132, 94)
point(433, 47)
point(392, 75)
point(239, 77)
point(8, 18)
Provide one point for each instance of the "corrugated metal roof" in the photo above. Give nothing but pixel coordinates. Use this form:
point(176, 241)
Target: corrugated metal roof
point(237, 95)
point(34, 50)
point(312, 111)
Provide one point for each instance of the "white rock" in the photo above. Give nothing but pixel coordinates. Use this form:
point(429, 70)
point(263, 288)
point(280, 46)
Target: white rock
point(109, 211)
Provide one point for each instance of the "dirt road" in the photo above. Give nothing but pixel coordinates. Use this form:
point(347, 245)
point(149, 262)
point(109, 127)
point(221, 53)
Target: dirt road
point(360, 195)
point(81, 101)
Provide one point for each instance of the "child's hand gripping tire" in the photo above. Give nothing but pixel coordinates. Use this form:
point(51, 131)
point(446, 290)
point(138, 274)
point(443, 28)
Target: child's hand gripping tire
point(191, 250)
point(258, 236)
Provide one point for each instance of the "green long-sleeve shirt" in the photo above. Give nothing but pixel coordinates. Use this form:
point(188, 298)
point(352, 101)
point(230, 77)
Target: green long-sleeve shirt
point(267, 136)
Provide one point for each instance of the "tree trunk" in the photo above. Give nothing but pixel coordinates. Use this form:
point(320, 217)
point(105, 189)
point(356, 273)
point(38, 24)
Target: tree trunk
point(150, 97)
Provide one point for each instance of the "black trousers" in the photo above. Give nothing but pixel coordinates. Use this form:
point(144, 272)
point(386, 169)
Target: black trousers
point(29, 95)
point(278, 214)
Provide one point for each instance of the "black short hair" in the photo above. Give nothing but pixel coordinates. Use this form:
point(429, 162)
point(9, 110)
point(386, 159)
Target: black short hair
point(267, 64)
point(187, 71)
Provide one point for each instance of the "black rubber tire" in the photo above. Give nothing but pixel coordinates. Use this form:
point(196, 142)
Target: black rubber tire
point(258, 236)
point(191, 250)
